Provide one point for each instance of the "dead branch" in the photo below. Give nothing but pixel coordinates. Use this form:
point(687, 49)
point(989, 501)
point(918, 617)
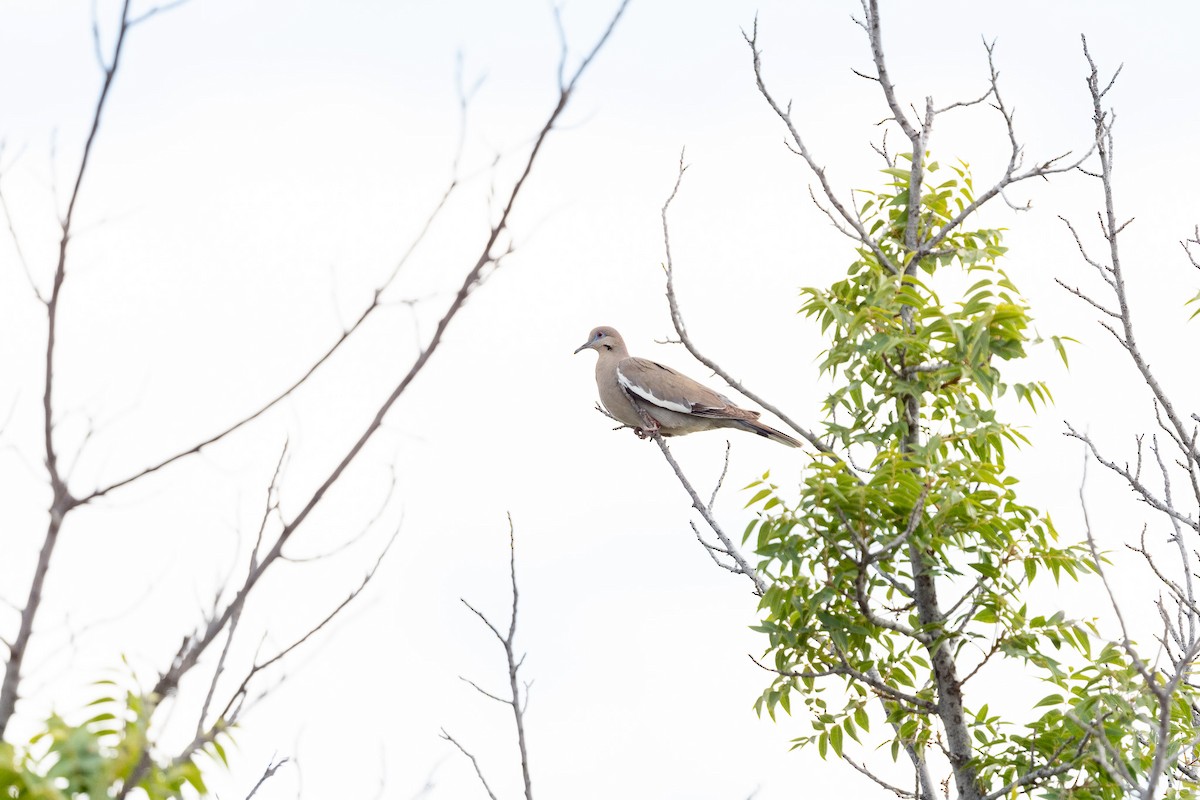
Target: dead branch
point(272, 765)
point(197, 644)
point(62, 501)
point(514, 700)
point(236, 704)
point(681, 329)
point(474, 763)
point(1179, 637)
point(223, 620)
point(797, 146)
point(741, 565)
point(16, 239)
point(896, 790)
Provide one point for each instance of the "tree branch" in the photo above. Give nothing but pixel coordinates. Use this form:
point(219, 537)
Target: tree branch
point(743, 566)
point(474, 763)
point(681, 330)
point(473, 278)
point(62, 501)
point(514, 700)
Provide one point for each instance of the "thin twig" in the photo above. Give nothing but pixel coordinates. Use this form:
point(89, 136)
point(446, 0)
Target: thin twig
point(195, 646)
point(62, 501)
point(743, 566)
point(272, 765)
point(681, 329)
point(507, 641)
point(474, 763)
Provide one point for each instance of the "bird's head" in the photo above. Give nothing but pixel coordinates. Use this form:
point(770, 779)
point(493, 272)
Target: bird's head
point(602, 338)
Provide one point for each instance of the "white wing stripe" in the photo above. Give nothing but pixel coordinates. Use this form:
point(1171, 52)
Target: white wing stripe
point(646, 394)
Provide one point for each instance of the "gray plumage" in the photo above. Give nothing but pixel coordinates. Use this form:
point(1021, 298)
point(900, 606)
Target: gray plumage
point(649, 396)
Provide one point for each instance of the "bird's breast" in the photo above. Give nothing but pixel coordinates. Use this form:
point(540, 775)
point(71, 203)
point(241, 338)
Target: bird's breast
point(613, 397)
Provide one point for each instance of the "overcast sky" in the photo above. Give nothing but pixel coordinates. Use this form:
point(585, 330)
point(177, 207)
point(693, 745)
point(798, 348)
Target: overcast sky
point(260, 169)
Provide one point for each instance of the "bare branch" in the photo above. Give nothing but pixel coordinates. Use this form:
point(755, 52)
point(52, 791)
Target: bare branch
point(348, 543)
point(871, 12)
point(983, 97)
point(680, 328)
point(514, 665)
point(1132, 479)
point(272, 765)
point(517, 706)
point(743, 566)
point(483, 619)
point(464, 97)
point(713, 552)
point(1075, 291)
point(16, 239)
point(725, 470)
point(375, 303)
point(216, 677)
point(62, 501)
point(1186, 244)
point(1112, 229)
point(801, 150)
point(474, 763)
point(474, 277)
point(1162, 693)
point(282, 654)
point(882, 150)
point(1012, 174)
point(562, 45)
point(879, 781)
point(1105, 271)
point(234, 706)
point(1159, 683)
point(483, 691)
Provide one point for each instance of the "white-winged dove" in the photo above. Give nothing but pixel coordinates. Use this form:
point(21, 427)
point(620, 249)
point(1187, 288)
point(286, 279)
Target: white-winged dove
point(649, 397)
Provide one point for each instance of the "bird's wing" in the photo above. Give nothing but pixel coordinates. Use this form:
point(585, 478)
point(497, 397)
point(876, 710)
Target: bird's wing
point(666, 388)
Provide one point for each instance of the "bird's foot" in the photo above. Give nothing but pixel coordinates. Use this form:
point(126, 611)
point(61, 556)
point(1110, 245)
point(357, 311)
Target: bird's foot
point(647, 432)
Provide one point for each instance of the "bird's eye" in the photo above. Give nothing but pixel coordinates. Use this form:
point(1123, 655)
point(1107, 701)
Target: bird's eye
point(599, 335)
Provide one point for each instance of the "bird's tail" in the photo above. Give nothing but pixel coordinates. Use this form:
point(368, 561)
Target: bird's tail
point(754, 426)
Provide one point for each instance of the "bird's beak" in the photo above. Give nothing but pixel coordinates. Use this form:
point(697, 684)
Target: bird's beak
point(583, 346)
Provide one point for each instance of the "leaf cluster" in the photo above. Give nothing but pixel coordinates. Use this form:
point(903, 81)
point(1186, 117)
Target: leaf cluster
point(95, 758)
point(912, 543)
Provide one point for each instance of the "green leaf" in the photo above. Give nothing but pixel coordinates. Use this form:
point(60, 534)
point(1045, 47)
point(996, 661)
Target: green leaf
point(220, 751)
point(987, 615)
point(1049, 700)
point(1195, 300)
point(835, 740)
point(759, 495)
point(1062, 351)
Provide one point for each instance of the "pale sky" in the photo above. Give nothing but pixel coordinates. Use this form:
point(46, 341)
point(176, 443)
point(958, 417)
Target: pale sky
point(260, 169)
